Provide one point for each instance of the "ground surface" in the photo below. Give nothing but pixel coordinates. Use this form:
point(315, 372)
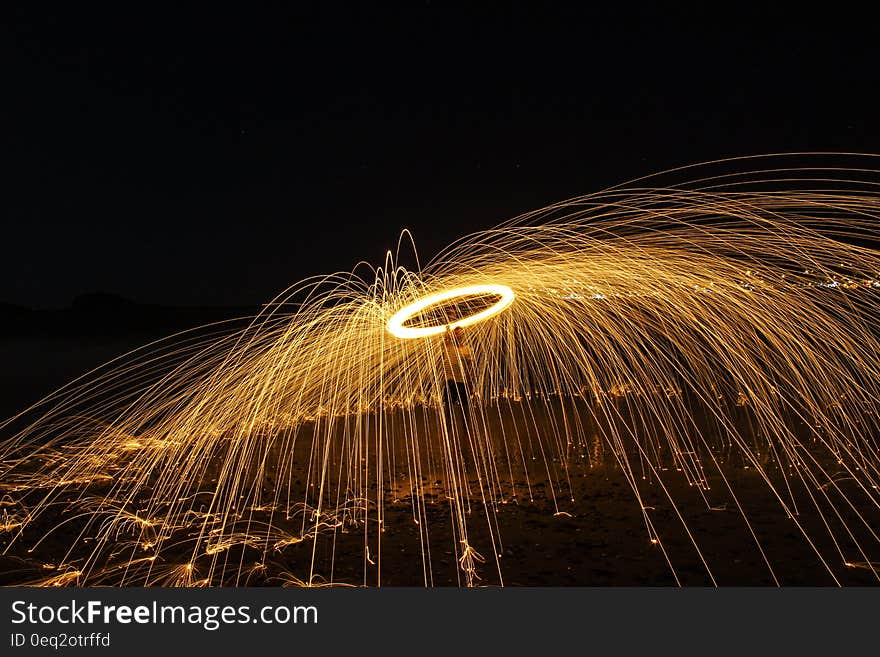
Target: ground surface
point(581, 524)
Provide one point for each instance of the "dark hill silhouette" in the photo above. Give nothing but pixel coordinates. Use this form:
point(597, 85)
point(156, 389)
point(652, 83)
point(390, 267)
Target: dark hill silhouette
point(102, 302)
point(101, 314)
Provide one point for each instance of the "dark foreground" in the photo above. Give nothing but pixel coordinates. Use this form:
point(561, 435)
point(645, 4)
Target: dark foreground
point(572, 521)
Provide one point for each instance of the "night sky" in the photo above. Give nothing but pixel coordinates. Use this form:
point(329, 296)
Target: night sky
point(213, 159)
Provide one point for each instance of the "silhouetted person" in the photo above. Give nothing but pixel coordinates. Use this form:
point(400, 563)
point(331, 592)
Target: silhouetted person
point(456, 361)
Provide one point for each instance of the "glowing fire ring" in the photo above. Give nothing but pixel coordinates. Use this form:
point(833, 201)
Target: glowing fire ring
point(396, 324)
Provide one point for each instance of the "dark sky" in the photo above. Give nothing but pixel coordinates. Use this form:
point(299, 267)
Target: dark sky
point(212, 159)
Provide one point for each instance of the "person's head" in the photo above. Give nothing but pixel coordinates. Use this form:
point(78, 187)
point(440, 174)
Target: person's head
point(453, 335)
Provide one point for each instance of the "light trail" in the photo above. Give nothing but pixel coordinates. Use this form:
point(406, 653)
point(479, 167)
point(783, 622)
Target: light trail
point(683, 329)
point(399, 319)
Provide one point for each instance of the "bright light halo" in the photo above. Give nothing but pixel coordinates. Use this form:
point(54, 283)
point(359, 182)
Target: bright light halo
point(396, 323)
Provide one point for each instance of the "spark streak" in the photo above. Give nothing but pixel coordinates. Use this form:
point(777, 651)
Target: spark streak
point(679, 330)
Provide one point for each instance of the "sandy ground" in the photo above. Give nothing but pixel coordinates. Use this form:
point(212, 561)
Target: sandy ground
point(546, 532)
point(548, 519)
